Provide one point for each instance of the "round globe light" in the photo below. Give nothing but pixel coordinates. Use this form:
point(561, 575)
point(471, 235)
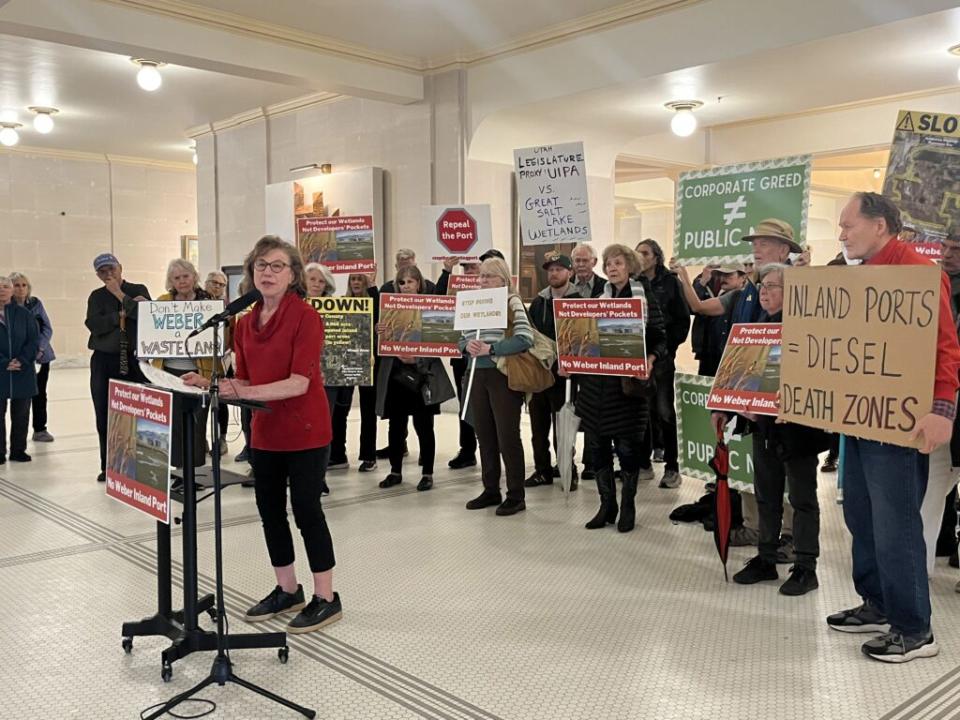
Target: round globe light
point(9, 136)
point(43, 123)
point(149, 77)
point(684, 123)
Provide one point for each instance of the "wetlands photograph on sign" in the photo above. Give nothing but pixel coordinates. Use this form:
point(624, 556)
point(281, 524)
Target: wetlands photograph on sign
point(436, 326)
point(417, 325)
point(345, 244)
point(122, 445)
point(748, 377)
point(153, 454)
point(602, 336)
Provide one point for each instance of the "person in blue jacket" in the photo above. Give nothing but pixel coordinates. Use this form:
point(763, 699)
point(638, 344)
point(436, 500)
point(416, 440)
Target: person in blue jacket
point(23, 295)
point(19, 344)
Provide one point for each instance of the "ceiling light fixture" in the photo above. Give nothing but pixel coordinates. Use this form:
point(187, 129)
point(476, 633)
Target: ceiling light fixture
point(9, 135)
point(305, 168)
point(148, 77)
point(43, 118)
point(326, 168)
point(876, 173)
point(684, 122)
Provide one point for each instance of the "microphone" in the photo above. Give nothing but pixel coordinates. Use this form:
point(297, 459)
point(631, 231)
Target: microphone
point(232, 309)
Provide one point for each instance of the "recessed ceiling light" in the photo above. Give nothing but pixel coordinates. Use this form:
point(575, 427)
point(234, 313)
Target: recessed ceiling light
point(876, 173)
point(43, 120)
point(684, 122)
point(9, 135)
point(148, 77)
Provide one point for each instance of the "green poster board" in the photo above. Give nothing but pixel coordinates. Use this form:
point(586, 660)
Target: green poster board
point(695, 438)
point(717, 207)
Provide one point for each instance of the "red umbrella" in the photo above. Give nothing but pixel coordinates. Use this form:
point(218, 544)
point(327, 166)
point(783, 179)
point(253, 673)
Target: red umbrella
point(720, 463)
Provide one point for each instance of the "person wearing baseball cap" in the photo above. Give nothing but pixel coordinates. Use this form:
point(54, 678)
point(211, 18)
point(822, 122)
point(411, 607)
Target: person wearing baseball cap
point(544, 405)
point(112, 322)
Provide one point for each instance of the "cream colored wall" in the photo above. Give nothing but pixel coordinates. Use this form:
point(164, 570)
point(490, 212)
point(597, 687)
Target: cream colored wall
point(56, 215)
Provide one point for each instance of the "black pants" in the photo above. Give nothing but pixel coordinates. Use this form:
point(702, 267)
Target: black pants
point(397, 441)
point(543, 408)
point(663, 415)
point(496, 419)
point(246, 417)
point(19, 422)
point(339, 400)
point(40, 399)
point(629, 449)
point(770, 481)
point(271, 469)
point(104, 367)
point(368, 423)
point(468, 438)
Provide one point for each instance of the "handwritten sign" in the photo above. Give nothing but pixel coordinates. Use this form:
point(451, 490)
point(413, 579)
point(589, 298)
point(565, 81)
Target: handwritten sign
point(163, 328)
point(483, 309)
point(347, 339)
point(552, 190)
point(749, 374)
point(417, 325)
point(859, 349)
point(601, 336)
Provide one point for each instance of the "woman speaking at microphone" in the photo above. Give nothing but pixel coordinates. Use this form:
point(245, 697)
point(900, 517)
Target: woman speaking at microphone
point(278, 347)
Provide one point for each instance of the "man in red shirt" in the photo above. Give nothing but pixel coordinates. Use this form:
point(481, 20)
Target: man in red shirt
point(884, 485)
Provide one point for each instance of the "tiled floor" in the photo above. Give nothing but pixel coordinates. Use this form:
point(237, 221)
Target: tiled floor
point(447, 613)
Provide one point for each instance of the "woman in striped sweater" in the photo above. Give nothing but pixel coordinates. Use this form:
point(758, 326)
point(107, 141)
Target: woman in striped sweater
point(494, 406)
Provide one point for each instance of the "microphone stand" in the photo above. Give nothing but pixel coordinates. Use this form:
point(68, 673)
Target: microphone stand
point(222, 670)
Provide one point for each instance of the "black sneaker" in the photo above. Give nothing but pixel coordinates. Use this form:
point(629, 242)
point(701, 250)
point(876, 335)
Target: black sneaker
point(276, 603)
point(20, 457)
point(316, 615)
point(484, 500)
point(102, 477)
point(391, 480)
point(426, 483)
point(555, 471)
point(338, 464)
point(588, 474)
point(863, 619)
point(756, 570)
point(894, 647)
point(829, 466)
point(801, 581)
point(367, 466)
point(384, 452)
point(537, 479)
point(242, 456)
point(511, 507)
point(463, 460)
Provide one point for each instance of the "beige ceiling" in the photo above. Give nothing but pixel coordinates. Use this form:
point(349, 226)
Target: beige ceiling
point(419, 34)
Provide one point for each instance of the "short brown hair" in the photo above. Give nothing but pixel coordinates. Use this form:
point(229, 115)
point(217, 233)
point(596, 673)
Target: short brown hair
point(272, 242)
point(873, 205)
point(618, 250)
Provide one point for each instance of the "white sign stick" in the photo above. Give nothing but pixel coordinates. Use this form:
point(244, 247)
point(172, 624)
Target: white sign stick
point(466, 395)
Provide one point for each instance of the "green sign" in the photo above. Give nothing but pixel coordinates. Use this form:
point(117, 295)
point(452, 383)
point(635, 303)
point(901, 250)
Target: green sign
point(716, 208)
point(696, 440)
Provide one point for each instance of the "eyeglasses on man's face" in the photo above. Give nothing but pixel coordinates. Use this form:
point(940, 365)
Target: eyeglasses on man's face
point(276, 266)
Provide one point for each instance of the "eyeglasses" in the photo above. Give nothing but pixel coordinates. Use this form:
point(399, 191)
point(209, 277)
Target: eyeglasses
point(770, 286)
point(217, 283)
point(276, 266)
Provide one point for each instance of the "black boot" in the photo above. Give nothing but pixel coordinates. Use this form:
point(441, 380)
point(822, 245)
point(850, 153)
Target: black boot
point(607, 513)
point(628, 510)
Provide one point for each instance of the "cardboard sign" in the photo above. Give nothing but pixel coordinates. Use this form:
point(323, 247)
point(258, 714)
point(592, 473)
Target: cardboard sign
point(749, 374)
point(552, 194)
point(483, 309)
point(601, 336)
point(417, 325)
point(457, 230)
point(696, 440)
point(923, 177)
point(347, 339)
point(859, 348)
point(343, 244)
point(717, 207)
point(138, 447)
point(163, 328)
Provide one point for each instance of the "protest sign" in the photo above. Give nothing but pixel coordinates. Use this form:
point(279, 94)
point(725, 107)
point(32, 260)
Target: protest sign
point(457, 230)
point(715, 208)
point(749, 374)
point(138, 447)
point(552, 194)
point(601, 336)
point(417, 325)
point(923, 177)
point(343, 244)
point(481, 309)
point(163, 328)
point(859, 349)
point(462, 282)
point(347, 339)
point(696, 440)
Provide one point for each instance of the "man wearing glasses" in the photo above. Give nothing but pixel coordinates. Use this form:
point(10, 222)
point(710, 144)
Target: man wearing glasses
point(112, 322)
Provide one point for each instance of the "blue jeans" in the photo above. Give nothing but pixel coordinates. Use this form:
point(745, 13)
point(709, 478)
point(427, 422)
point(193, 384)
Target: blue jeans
point(883, 488)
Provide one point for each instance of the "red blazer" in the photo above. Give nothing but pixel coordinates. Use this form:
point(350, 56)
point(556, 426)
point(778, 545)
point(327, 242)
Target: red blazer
point(290, 344)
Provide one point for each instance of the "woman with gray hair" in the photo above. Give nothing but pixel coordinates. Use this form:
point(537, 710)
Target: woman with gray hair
point(18, 374)
point(216, 285)
point(320, 281)
point(23, 295)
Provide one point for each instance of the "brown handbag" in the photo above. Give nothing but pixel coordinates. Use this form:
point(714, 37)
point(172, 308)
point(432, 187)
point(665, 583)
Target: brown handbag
point(525, 371)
